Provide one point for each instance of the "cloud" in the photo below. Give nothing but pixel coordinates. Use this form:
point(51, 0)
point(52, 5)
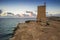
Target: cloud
point(10, 14)
point(0, 11)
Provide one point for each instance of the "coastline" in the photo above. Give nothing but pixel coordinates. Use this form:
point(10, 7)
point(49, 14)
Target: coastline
point(34, 31)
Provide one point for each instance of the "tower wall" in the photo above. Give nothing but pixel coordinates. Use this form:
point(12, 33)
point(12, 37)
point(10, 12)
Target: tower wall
point(41, 16)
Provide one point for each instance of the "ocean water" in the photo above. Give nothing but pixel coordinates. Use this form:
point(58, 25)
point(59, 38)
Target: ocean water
point(7, 26)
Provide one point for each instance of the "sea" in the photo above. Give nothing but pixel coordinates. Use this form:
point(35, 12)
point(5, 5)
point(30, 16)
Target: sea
point(7, 25)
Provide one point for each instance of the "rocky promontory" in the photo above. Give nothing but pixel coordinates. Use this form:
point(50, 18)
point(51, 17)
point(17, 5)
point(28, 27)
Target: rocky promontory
point(35, 31)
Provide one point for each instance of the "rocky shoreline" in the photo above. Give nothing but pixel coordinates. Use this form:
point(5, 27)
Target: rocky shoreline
point(34, 31)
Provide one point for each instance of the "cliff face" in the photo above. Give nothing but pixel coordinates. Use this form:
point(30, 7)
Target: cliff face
point(34, 31)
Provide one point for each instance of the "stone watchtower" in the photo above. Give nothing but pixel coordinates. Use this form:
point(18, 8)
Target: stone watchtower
point(41, 15)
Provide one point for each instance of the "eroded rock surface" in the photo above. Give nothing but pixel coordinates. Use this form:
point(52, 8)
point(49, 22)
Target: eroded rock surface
point(34, 31)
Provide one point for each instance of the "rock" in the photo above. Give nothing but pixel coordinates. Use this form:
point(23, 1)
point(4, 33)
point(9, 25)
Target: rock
point(34, 31)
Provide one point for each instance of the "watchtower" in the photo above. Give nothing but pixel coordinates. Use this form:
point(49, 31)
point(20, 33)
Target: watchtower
point(41, 15)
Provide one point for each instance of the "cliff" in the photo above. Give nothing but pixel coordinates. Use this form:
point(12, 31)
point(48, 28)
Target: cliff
point(35, 31)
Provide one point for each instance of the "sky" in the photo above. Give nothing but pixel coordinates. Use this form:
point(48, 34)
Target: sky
point(21, 6)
